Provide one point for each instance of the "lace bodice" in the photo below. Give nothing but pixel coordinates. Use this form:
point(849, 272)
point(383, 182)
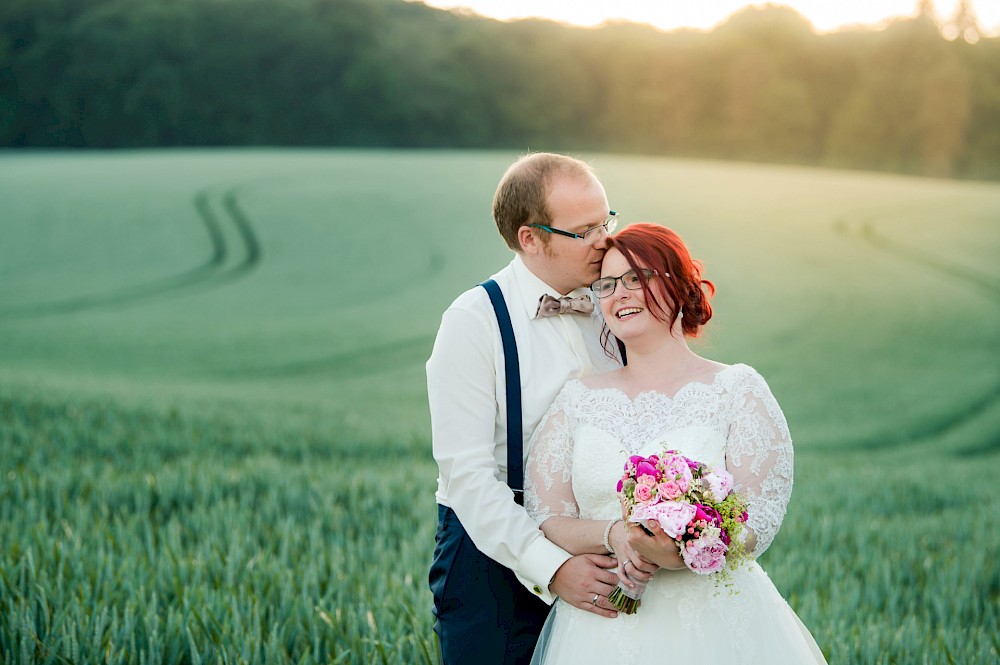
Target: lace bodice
point(579, 449)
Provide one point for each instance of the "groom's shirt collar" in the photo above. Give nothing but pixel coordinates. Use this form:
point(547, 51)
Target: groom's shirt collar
point(531, 288)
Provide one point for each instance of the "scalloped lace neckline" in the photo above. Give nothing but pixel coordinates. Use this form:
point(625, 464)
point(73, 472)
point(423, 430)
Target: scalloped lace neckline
point(656, 394)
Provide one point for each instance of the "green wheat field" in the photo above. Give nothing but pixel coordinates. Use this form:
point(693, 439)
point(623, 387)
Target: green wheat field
point(214, 443)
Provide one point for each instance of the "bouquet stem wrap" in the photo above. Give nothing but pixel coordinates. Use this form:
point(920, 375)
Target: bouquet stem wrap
point(626, 600)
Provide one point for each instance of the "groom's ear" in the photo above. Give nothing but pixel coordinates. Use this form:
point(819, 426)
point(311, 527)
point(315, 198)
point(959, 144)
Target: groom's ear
point(530, 243)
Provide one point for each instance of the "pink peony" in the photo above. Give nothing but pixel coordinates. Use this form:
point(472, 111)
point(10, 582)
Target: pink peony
point(677, 470)
point(672, 516)
point(707, 513)
point(644, 468)
point(720, 482)
point(705, 554)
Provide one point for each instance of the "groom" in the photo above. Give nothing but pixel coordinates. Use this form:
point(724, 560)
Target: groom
point(494, 574)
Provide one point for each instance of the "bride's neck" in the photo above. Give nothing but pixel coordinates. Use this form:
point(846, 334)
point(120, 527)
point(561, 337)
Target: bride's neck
point(663, 360)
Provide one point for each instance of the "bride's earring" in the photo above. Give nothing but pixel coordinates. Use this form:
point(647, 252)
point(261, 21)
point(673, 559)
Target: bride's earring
point(680, 314)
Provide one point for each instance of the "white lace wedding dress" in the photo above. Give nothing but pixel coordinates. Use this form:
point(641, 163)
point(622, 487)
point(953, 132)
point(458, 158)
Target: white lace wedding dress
point(577, 456)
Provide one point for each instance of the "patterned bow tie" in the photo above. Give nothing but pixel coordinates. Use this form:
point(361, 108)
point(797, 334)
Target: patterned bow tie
point(549, 306)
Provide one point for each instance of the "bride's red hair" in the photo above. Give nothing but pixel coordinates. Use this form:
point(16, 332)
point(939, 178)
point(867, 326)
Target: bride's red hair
point(646, 245)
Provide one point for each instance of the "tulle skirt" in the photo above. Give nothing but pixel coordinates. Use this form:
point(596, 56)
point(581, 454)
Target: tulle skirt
point(685, 617)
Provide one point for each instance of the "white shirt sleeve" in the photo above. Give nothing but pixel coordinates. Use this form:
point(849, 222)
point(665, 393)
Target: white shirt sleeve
point(461, 389)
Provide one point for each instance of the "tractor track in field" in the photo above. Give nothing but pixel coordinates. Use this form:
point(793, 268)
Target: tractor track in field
point(388, 357)
point(235, 252)
point(986, 285)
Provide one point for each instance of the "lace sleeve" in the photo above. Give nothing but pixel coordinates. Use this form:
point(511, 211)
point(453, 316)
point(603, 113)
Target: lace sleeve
point(759, 455)
point(548, 482)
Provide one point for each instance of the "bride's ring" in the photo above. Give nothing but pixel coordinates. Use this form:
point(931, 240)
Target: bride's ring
point(594, 601)
point(627, 562)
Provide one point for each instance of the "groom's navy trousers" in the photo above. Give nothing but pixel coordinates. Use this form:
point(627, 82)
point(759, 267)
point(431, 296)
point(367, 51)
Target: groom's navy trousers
point(482, 612)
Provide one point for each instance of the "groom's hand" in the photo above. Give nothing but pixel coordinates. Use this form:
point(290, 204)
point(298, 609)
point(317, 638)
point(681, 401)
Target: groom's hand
point(583, 577)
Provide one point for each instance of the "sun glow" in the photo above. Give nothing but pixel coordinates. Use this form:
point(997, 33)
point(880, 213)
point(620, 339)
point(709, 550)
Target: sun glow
point(825, 16)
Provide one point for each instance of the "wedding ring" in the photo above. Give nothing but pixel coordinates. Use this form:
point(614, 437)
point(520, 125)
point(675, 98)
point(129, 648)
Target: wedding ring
point(594, 601)
point(627, 562)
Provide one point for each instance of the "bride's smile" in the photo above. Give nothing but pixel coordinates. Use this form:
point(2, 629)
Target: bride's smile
point(627, 312)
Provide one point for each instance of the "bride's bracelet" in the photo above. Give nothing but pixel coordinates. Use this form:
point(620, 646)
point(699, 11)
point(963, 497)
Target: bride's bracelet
point(607, 535)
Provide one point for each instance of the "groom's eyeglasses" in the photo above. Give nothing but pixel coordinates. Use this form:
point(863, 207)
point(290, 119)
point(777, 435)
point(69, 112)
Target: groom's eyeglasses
point(605, 286)
point(609, 225)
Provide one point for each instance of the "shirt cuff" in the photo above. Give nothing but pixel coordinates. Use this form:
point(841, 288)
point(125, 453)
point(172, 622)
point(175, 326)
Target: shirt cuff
point(538, 565)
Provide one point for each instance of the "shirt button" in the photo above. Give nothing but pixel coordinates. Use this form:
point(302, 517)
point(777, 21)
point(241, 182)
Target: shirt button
point(537, 589)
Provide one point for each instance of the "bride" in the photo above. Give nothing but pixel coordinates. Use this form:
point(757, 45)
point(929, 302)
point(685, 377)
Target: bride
point(652, 296)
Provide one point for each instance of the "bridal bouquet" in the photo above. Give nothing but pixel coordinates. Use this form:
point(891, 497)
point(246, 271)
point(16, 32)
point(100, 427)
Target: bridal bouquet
point(695, 504)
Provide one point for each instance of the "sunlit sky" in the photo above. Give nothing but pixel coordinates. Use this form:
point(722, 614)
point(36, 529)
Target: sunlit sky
point(825, 15)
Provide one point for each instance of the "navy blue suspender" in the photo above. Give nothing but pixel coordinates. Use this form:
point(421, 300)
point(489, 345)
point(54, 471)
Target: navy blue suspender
point(512, 372)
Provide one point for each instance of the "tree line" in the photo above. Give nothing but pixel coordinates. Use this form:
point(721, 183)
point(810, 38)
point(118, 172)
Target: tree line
point(762, 86)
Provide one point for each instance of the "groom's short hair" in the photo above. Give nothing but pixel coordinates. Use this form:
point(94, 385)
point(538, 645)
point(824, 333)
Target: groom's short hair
point(521, 195)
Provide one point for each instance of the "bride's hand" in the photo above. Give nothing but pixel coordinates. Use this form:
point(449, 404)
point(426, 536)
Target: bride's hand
point(632, 567)
point(656, 546)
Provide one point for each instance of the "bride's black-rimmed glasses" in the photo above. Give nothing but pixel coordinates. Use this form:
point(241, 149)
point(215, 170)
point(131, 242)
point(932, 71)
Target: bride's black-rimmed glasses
point(605, 286)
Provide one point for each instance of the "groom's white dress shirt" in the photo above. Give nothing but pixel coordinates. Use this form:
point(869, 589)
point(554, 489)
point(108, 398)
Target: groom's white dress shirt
point(468, 404)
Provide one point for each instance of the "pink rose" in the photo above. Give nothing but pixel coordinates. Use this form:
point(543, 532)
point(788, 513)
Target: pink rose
point(647, 479)
point(672, 516)
point(705, 554)
point(720, 482)
point(643, 493)
point(669, 490)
